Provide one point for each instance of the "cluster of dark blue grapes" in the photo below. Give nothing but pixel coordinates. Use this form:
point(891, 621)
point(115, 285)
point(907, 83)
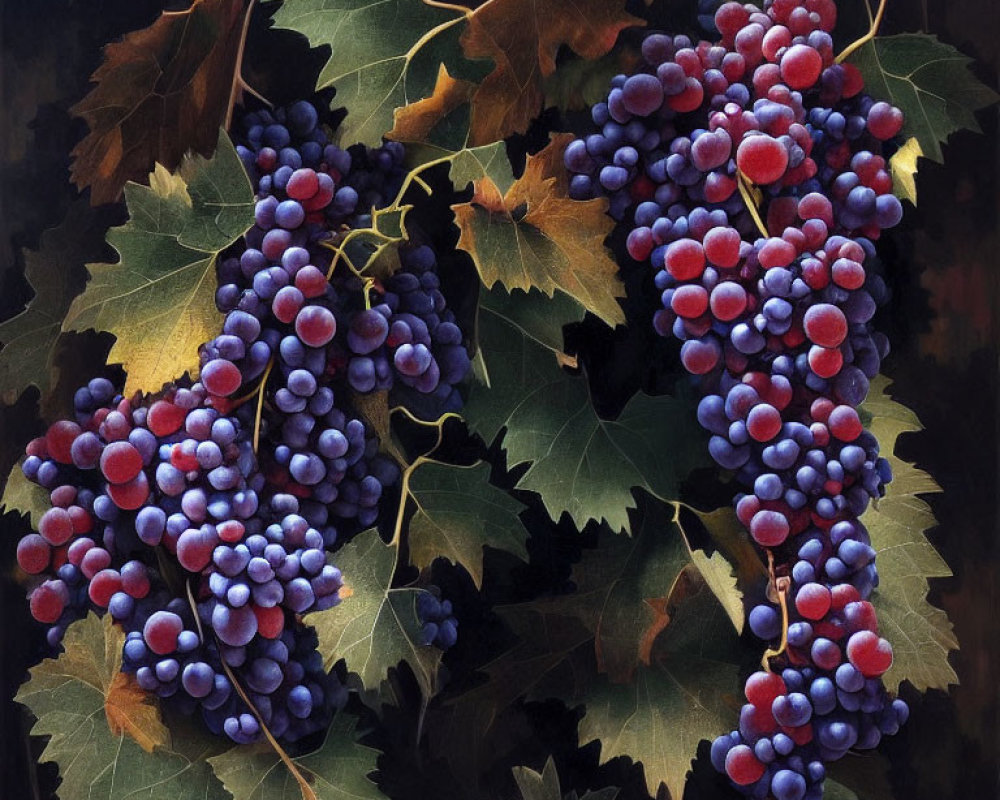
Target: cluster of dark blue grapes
point(410, 338)
point(753, 175)
point(439, 626)
point(249, 477)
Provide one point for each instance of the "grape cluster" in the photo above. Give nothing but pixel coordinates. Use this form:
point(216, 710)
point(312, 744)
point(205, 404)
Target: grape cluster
point(201, 517)
point(438, 624)
point(752, 175)
point(284, 307)
point(410, 337)
point(127, 478)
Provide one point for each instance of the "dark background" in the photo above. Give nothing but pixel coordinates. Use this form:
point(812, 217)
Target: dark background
point(942, 263)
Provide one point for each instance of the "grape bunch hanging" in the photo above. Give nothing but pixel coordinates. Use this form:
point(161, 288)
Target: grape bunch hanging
point(243, 481)
point(754, 169)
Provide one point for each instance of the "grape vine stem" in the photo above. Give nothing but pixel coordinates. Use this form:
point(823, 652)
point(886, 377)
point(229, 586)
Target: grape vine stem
point(872, 33)
point(751, 204)
point(307, 790)
point(397, 533)
point(260, 403)
point(238, 83)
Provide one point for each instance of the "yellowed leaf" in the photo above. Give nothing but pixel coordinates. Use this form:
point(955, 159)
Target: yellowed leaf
point(903, 167)
point(535, 236)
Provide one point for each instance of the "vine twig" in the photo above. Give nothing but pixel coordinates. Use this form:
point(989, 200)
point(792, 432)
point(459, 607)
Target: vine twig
point(260, 403)
point(238, 83)
point(750, 203)
point(872, 32)
point(307, 790)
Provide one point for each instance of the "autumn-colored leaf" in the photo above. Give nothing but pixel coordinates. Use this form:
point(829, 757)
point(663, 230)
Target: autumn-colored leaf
point(686, 695)
point(159, 299)
point(534, 236)
point(56, 273)
point(523, 37)
point(160, 92)
point(414, 122)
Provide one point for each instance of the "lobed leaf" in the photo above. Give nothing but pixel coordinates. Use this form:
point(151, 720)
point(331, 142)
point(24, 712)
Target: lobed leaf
point(106, 735)
point(55, 272)
point(534, 236)
point(375, 60)
point(422, 120)
point(522, 37)
point(580, 463)
point(159, 299)
point(374, 627)
point(929, 81)
point(545, 785)
point(921, 635)
point(459, 513)
point(25, 497)
point(160, 92)
point(542, 785)
point(338, 770)
point(689, 693)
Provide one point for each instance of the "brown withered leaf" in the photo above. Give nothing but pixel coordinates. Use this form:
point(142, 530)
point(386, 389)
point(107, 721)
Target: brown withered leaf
point(523, 37)
point(160, 92)
point(536, 236)
point(414, 122)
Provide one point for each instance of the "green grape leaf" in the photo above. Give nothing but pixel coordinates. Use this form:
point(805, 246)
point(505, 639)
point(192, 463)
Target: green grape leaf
point(580, 463)
point(458, 514)
point(465, 164)
point(374, 251)
point(56, 274)
point(374, 627)
point(921, 635)
point(159, 299)
point(338, 770)
point(535, 236)
point(929, 81)
point(734, 545)
point(106, 736)
point(632, 592)
point(689, 693)
point(24, 497)
point(378, 58)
